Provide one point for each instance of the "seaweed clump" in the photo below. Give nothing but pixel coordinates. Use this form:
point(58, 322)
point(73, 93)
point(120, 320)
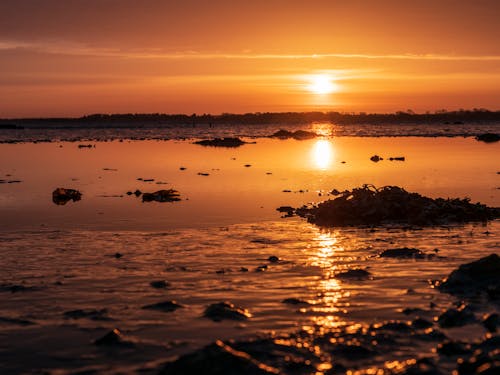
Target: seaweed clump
point(368, 205)
point(298, 134)
point(221, 142)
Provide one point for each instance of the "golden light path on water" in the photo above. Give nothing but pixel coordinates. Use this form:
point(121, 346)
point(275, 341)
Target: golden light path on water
point(325, 255)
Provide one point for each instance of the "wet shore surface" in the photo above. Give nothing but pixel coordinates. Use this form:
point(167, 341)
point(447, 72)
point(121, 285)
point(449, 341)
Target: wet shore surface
point(318, 300)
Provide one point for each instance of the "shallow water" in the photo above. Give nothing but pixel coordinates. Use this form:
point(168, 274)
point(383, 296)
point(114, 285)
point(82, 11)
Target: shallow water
point(57, 259)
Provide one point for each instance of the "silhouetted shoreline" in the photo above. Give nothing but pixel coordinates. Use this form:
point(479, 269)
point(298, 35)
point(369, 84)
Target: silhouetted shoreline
point(257, 118)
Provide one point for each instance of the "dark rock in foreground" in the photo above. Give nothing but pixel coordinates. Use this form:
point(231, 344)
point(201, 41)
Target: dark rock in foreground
point(488, 137)
point(403, 252)
point(368, 205)
point(354, 274)
point(226, 310)
point(166, 306)
point(221, 142)
point(114, 338)
point(456, 317)
point(61, 196)
point(169, 195)
point(475, 278)
point(298, 134)
point(217, 359)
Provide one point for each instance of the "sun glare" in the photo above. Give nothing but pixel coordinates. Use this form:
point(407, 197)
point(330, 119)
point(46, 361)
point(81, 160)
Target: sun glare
point(322, 154)
point(321, 84)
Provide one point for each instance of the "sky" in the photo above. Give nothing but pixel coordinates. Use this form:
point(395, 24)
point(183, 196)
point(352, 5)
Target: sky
point(73, 57)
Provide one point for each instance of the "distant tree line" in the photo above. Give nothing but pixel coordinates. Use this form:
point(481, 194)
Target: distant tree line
point(265, 118)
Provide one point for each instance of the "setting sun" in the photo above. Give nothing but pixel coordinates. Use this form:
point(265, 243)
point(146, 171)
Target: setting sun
point(321, 84)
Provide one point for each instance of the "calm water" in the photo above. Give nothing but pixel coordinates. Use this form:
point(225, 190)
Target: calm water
point(64, 256)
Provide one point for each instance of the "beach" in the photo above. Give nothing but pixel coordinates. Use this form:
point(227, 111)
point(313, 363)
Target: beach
point(73, 272)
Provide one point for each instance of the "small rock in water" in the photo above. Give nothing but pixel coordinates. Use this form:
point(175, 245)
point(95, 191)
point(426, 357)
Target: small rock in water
point(113, 338)
point(261, 268)
point(226, 310)
point(295, 301)
point(159, 284)
point(137, 193)
point(273, 259)
point(166, 306)
point(221, 142)
point(420, 323)
point(488, 137)
point(353, 274)
point(403, 252)
point(397, 158)
point(118, 255)
point(169, 195)
point(91, 314)
point(182, 168)
point(61, 196)
point(376, 158)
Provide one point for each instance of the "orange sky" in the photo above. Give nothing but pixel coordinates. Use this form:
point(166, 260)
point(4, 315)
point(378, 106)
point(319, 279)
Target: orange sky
point(69, 58)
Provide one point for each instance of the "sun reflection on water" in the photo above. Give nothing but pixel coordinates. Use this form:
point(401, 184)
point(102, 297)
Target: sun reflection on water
point(322, 154)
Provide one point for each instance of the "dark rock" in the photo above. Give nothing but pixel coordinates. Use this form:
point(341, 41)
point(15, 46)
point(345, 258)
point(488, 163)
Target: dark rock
point(298, 135)
point(453, 348)
point(159, 284)
point(397, 158)
point(488, 137)
point(491, 322)
point(84, 146)
point(404, 252)
point(217, 359)
point(137, 193)
point(221, 142)
point(376, 158)
point(14, 288)
point(166, 306)
point(247, 165)
point(87, 314)
point(169, 195)
point(352, 352)
point(474, 278)
point(182, 168)
point(353, 274)
point(61, 196)
point(420, 323)
point(243, 269)
point(456, 317)
point(226, 310)
point(261, 268)
point(203, 174)
point(273, 259)
point(295, 301)
point(118, 255)
point(113, 338)
point(16, 321)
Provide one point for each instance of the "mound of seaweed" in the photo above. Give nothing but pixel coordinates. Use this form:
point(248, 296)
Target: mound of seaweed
point(368, 205)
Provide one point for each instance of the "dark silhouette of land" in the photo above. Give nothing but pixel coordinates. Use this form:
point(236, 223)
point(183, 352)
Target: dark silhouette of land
point(257, 118)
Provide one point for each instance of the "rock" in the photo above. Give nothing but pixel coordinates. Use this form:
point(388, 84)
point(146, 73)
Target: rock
point(420, 323)
point(217, 359)
point(243, 269)
point(226, 310)
point(113, 338)
point(166, 306)
point(61, 196)
point(169, 195)
point(295, 301)
point(137, 193)
point(221, 142)
point(118, 255)
point(159, 284)
point(491, 322)
point(273, 259)
point(261, 268)
point(453, 348)
point(403, 253)
point(352, 352)
point(488, 137)
point(247, 165)
point(16, 321)
point(456, 317)
point(376, 158)
point(397, 158)
point(203, 174)
point(298, 135)
point(182, 168)
point(353, 274)
point(85, 146)
point(91, 314)
point(286, 209)
point(474, 278)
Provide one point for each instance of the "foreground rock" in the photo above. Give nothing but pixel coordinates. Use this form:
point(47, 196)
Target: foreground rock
point(298, 134)
point(226, 310)
point(476, 278)
point(404, 253)
point(166, 306)
point(61, 196)
point(218, 359)
point(368, 205)
point(169, 195)
point(221, 142)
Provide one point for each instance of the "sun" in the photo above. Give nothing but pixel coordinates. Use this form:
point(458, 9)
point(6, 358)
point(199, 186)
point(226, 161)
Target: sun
point(321, 84)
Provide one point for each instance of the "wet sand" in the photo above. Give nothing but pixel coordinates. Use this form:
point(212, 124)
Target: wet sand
point(99, 255)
